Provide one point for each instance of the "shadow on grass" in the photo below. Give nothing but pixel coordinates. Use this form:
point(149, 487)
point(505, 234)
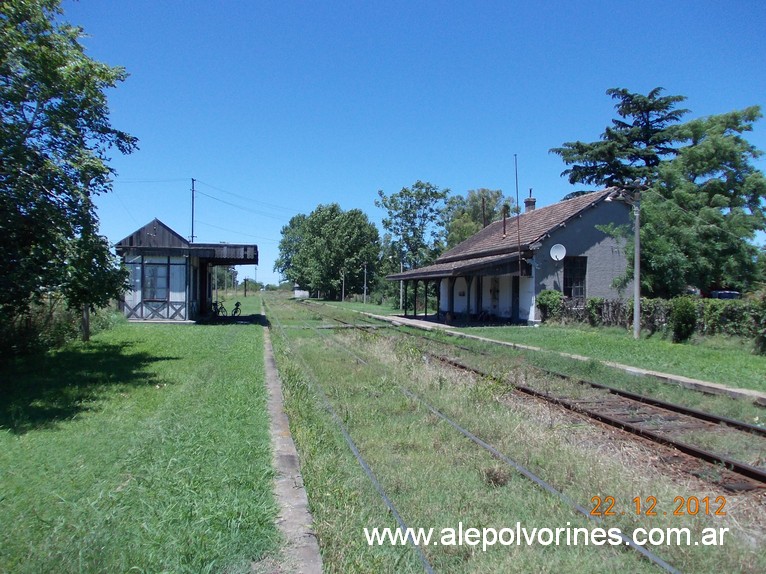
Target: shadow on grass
point(252, 319)
point(41, 391)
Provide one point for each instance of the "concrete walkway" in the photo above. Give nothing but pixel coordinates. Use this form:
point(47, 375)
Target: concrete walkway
point(301, 551)
point(696, 384)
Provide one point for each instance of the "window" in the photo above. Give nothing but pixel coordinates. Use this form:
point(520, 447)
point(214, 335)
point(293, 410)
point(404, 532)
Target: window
point(574, 278)
point(155, 282)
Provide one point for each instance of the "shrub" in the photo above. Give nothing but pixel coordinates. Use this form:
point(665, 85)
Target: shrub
point(683, 318)
point(550, 304)
point(49, 324)
point(595, 310)
point(760, 319)
point(655, 315)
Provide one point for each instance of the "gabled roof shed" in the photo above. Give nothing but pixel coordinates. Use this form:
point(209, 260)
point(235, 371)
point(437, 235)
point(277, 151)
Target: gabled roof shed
point(169, 276)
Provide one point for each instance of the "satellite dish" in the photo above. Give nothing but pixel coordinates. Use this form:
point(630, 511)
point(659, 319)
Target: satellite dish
point(558, 252)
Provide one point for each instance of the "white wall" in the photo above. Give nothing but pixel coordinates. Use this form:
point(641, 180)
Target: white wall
point(502, 306)
point(461, 301)
point(527, 299)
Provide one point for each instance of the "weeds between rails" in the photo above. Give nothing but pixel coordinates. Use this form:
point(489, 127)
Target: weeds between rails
point(656, 420)
point(682, 409)
point(361, 360)
point(402, 525)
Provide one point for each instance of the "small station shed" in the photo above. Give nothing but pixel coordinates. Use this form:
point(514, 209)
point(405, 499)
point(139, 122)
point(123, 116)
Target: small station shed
point(498, 272)
point(170, 277)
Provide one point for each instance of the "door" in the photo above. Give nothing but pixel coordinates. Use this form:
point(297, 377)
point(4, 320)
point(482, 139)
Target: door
point(515, 299)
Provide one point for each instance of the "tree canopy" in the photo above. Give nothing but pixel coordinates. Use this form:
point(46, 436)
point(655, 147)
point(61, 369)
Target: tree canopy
point(463, 216)
point(413, 218)
point(55, 134)
point(329, 246)
point(633, 146)
point(701, 214)
point(704, 199)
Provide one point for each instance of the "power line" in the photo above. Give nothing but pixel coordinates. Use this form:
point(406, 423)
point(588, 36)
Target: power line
point(237, 232)
point(121, 181)
point(249, 199)
point(241, 207)
point(125, 207)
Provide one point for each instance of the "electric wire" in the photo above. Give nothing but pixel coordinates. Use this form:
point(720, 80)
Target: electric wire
point(240, 207)
point(248, 199)
point(236, 232)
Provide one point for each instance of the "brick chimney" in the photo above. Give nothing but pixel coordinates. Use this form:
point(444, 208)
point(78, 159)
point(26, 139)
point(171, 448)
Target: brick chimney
point(529, 203)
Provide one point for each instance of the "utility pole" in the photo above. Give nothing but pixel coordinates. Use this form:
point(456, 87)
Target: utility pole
point(192, 222)
point(365, 283)
point(518, 216)
point(637, 264)
point(401, 286)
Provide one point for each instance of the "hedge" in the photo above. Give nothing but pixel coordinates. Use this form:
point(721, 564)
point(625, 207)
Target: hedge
point(738, 317)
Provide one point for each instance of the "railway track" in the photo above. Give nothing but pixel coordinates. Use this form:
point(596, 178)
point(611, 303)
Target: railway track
point(655, 420)
point(652, 422)
point(626, 541)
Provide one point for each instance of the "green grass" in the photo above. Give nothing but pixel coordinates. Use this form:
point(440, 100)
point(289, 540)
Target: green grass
point(718, 359)
point(437, 478)
point(505, 363)
point(146, 450)
point(385, 309)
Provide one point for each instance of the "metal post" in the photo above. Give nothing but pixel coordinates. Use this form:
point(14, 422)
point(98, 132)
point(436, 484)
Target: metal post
point(401, 286)
point(192, 221)
point(637, 268)
point(365, 283)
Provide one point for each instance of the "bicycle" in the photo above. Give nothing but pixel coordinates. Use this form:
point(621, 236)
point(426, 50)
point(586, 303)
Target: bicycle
point(218, 309)
point(236, 312)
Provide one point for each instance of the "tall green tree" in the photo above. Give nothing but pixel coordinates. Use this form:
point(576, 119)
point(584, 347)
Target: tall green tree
point(464, 216)
point(328, 247)
point(413, 219)
point(704, 199)
point(292, 238)
point(701, 215)
point(55, 135)
point(634, 145)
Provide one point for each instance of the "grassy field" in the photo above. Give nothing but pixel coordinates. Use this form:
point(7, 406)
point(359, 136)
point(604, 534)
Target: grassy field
point(725, 360)
point(367, 308)
point(146, 450)
point(717, 359)
point(438, 479)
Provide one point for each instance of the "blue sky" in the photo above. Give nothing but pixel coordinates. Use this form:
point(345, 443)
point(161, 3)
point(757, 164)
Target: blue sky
point(276, 107)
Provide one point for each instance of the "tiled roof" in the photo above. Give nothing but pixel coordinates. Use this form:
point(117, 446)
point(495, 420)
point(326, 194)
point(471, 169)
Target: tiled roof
point(532, 226)
point(455, 268)
point(490, 246)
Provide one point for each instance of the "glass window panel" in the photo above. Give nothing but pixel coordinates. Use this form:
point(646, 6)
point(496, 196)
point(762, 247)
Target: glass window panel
point(155, 282)
point(178, 282)
point(575, 269)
